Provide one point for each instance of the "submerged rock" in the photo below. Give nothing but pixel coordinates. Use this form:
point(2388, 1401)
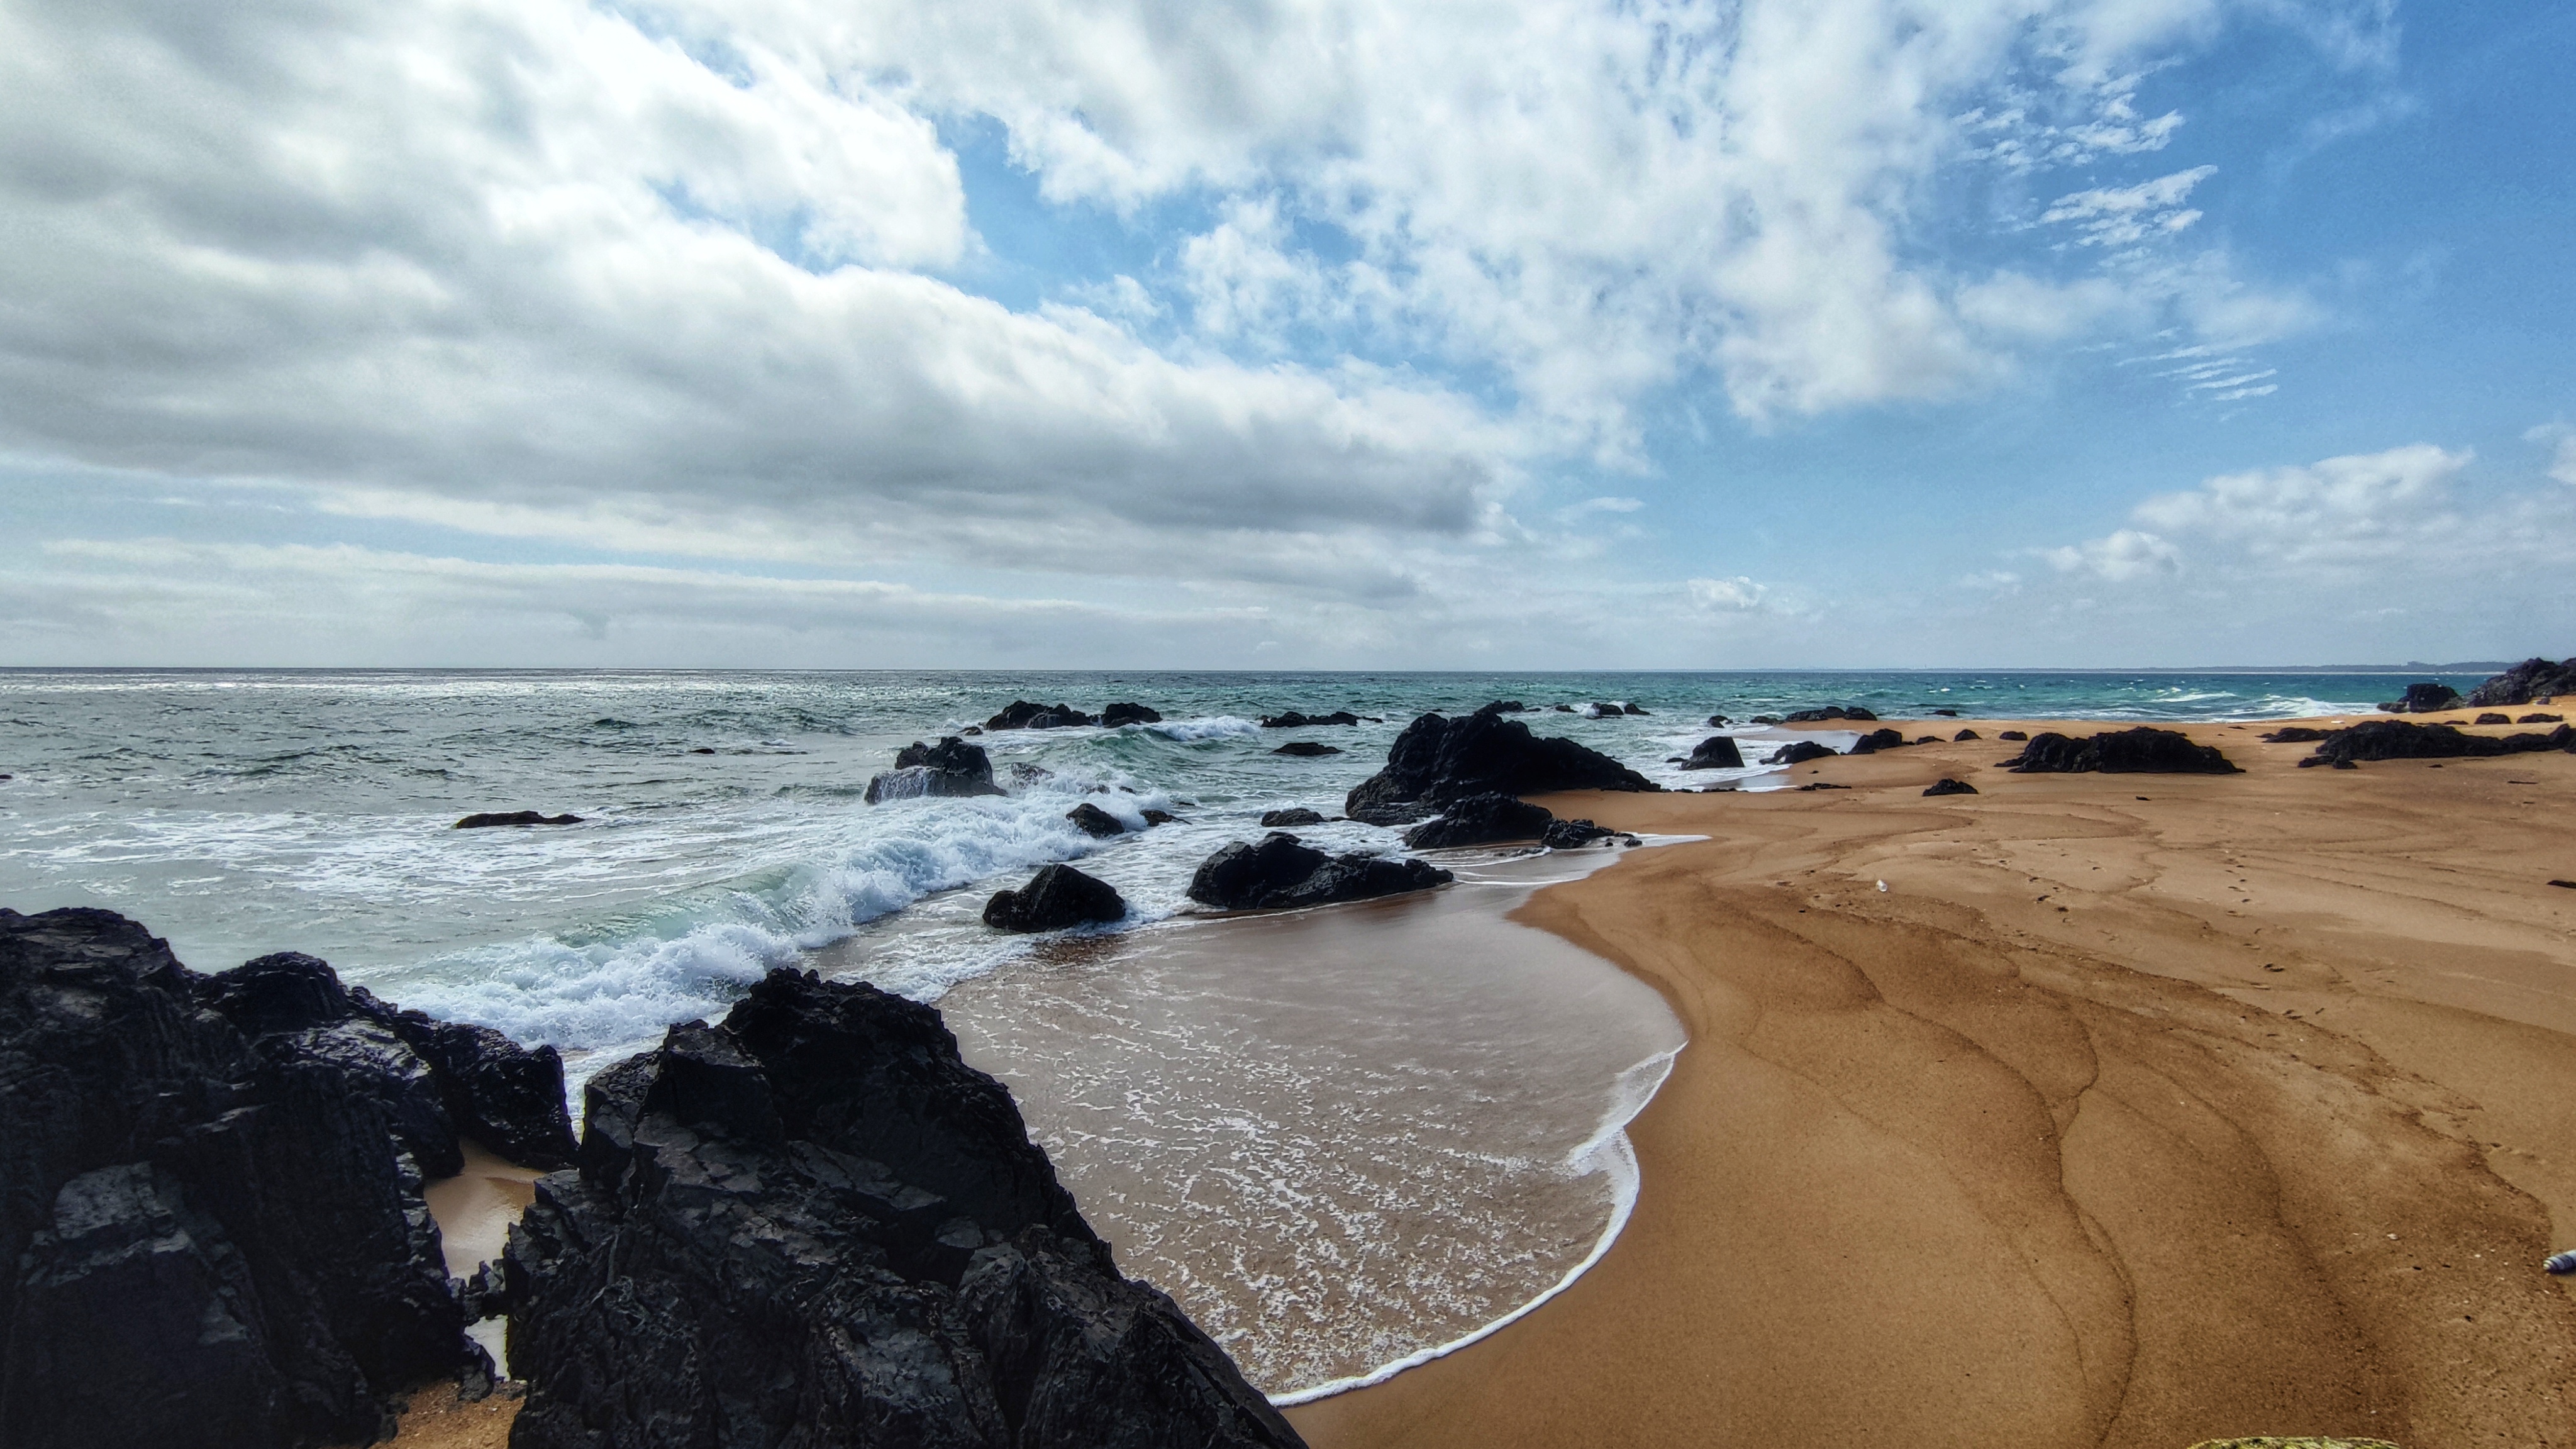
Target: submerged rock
point(1093, 821)
point(1481, 820)
point(950, 768)
point(2140, 751)
point(1307, 749)
point(1114, 715)
point(485, 820)
point(1290, 818)
point(2531, 680)
point(813, 1224)
point(2428, 697)
point(1438, 760)
point(1292, 720)
point(1056, 897)
point(1278, 873)
point(1717, 752)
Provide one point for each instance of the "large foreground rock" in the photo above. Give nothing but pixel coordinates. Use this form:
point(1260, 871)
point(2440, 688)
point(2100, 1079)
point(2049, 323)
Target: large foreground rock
point(1717, 752)
point(1438, 761)
point(1056, 897)
point(814, 1225)
point(951, 768)
point(1278, 873)
point(2530, 680)
point(211, 1224)
point(2140, 751)
point(1481, 820)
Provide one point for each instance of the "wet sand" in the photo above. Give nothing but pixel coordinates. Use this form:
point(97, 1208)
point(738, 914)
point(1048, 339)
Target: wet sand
point(2136, 1110)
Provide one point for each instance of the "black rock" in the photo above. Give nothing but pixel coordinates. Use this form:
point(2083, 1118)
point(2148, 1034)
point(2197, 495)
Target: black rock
point(1020, 714)
point(2011, 735)
point(1799, 752)
point(1946, 713)
point(2292, 735)
point(2526, 719)
point(2140, 751)
point(1306, 749)
point(2532, 679)
point(2397, 739)
point(813, 1224)
point(1574, 834)
point(1292, 720)
point(1480, 820)
point(1507, 706)
point(1766, 719)
point(1290, 818)
point(1821, 785)
point(1829, 712)
point(1718, 721)
point(1562, 708)
point(1093, 821)
point(1056, 897)
point(1965, 735)
point(1717, 752)
point(1277, 873)
point(1951, 787)
point(1877, 740)
point(2493, 719)
point(1438, 760)
point(1114, 715)
point(484, 820)
point(949, 768)
point(211, 1240)
point(1627, 708)
point(1159, 817)
point(2428, 698)
point(703, 750)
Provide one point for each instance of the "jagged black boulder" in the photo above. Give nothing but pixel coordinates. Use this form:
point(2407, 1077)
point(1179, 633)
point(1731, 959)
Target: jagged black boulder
point(950, 768)
point(2140, 751)
point(1114, 715)
point(1478, 820)
point(1438, 760)
point(1020, 714)
point(1056, 897)
point(1951, 787)
point(2397, 739)
point(1799, 752)
point(2428, 697)
point(1307, 749)
point(1093, 821)
point(1290, 818)
point(210, 1236)
point(814, 1225)
point(1293, 720)
point(2530, 680)
point(1277, 873)
point(1877, 740)
point(1829, 712)
point(486, 819)
point(1571, 834)
point(1717, 752)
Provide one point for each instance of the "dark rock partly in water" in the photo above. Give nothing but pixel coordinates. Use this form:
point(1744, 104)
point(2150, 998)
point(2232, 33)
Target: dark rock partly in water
point(1944, 713)
point(1277, 873)
point(1766, 719)
point(1877, 740)
point(2493, 719)
point(2140, 751)
point(1717, 752)
point(1799, 752)
point(1951, 787)
point(1966, 735)
point(948, 769)
point(1480, 820)
point(1056, 897)
point(1575, 834)
point(1292, 720)
point(1114, 715)
point(1306, 749)
point(2526, 719)
point(1158, 817)
point(1095, 822)
point(1718, 721)
point(485, 820)
point(211, 1240)
point(1829, 712)
point(2292, 735)
point(2531, 680)
point(2397, 739)
point(1438, 760)
point(2428, 697)
point(2011, 735)
point(813, 1224)
point(1507, 706)
point(1562, 708)
point(1290, 819)
point(1020, 714)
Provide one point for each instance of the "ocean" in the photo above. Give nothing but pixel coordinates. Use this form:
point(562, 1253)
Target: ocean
point(1342, 1138)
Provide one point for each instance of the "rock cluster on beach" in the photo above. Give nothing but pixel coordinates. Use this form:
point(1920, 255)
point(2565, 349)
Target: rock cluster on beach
point(1494, 819)
point(814, 1224)
point(2429, 697)
point(2140, 751)
point(2530, 681)
point(211, 1210)
point(1278, 872)
point(1439, 760)
point(1799, 752)
point(950, 768)
point(2397, 739)
point(1829, 712)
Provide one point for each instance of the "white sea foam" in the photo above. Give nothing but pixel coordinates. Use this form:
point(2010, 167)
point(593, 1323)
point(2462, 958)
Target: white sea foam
point(1210, 727)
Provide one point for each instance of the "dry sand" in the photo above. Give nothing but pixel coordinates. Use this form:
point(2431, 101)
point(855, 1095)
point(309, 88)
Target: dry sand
point(2135, 1110)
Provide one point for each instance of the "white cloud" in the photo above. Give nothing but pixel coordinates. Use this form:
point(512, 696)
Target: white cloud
point(2367, 506)
point(1736, 595)
point(2125, 215)
point(2562, 441)
point(2125, 555)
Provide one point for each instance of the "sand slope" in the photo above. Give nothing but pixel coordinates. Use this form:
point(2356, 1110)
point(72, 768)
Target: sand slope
point(2241, 1108)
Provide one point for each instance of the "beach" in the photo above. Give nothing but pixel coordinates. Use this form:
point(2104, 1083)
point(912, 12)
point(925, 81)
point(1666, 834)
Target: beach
point(2133, 1110)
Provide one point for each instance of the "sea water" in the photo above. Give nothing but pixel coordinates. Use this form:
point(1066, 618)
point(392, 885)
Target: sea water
point(1342, 1138)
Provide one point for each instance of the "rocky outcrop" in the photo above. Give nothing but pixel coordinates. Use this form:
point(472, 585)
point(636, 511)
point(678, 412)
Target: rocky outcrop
point(485, 820)
point(813, 1224)
point(1020, 714)
point(212, 1226)
point(1717, 752)
point(1438, 760)
point(2140, 751)
point(950, 768)
point(2428, 697)
point(2531, 680)
point(2292, 735)
point(1292, 720)
point(1799, 752)
point(1951, 787)
point(1056, 897)
point(1290, 819)
point(2397, 739)
point(1278, 873)
point(1114, 715)
point(1966, 735)
point(1877, 740)
point(1095, 822)
point(1829, 712)
point(1481, 820)
point(1574, 834)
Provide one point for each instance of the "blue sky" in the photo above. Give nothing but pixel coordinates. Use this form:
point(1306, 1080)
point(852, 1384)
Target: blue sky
point(1294, 334)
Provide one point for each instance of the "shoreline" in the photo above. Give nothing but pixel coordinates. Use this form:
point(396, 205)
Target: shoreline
point(1834, 1238)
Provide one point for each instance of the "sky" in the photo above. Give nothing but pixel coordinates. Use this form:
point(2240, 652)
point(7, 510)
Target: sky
point(1286, 333)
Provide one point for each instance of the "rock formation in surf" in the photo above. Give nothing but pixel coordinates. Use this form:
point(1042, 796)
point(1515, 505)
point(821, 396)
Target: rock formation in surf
point(1481, 820)
point(2140, 751)
point(1717, 752)
point(813, 1224)
point(2531, 680)
point(1114, 715)
point(1020, 714)
point(487, 819)
point(210, 1203)
point(1799, 752)
point(1095, 822)
point(1056, 897)
point(1438, 760)
point(1290, 818)
point(1277, 873)
point(949, 768)
point(1307, 749)
point(1292, 720)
